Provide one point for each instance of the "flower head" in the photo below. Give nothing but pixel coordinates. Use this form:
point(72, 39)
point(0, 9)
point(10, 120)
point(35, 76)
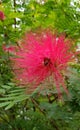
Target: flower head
point(42, 56)
point(8, 48)
point(2, 16)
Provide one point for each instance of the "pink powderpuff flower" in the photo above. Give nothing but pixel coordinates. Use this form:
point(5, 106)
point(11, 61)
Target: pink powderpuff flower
point(42, 58)
point(2, 16)
point(8, 48)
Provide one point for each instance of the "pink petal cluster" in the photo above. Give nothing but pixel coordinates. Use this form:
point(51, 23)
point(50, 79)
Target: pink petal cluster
point(41, 56)
point(8, 48)
point(2, 16)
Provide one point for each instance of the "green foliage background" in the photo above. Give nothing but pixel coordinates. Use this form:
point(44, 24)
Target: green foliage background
point(19, 111)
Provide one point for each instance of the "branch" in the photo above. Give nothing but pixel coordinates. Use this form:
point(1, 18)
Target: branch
point(37, 105)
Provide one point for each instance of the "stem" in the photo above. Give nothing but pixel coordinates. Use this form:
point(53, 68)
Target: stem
point(14, 11)
point(37, 105)
point(52, 100)
point(52, 122)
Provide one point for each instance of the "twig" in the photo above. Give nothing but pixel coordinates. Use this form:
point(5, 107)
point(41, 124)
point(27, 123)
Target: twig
point(37, 105)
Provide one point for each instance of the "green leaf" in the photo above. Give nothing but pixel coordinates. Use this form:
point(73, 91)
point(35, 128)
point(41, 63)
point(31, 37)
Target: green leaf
point(6, 87)
point(2, 91)
point(3, 104)
point(11, 104)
